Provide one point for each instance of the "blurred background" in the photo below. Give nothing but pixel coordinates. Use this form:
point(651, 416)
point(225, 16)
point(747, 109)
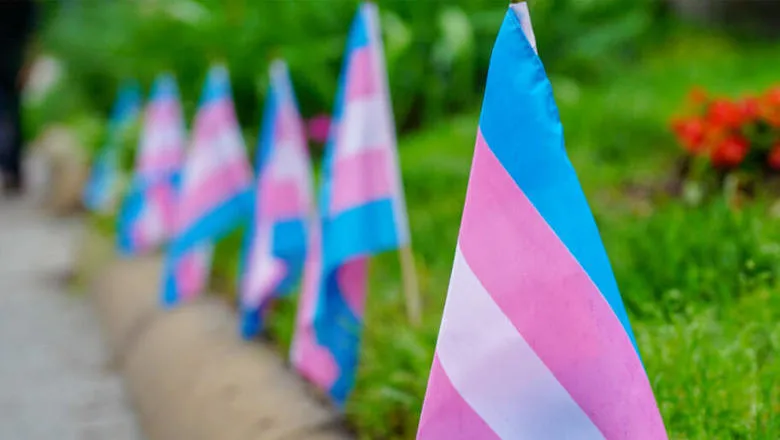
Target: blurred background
point(694, 239)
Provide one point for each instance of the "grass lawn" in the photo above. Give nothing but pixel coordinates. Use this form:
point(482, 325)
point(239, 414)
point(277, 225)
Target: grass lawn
point(700, 282)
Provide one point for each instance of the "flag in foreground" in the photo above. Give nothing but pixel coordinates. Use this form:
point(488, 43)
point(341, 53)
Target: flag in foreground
point(362, 210)
point(284, 204)
point(146, 217)
point(215, 195)
point(534, 341)
point(104, 180)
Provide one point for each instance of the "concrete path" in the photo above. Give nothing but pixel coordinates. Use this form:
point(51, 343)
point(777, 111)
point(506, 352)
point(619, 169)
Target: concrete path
point(54, 380)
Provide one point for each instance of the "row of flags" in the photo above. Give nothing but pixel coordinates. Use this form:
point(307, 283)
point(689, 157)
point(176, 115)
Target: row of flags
point(534, 342)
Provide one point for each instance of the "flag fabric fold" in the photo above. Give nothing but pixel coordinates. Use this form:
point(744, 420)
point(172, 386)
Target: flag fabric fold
point(275, 247)
point(146, 217)
point(362, 211)
point(102, 188)
point(535, 340)
point(215, 195)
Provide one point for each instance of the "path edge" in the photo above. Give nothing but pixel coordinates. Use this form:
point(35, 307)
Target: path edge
point(188, 374)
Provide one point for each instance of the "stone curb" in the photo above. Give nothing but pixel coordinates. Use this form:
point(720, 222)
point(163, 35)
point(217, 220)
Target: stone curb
point(188, 374)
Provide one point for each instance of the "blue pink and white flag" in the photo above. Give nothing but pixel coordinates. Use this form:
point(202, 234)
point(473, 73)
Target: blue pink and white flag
point(362, 209)
point(535, 341)
point(146, 217)
point(275, 249)
point(104, 182)
point(216, 191)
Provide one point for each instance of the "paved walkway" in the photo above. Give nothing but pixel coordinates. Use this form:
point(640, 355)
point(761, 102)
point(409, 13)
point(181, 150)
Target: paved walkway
point(54, 383)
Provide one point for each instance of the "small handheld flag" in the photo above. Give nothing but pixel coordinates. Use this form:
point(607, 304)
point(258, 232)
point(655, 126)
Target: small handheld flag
point(104, 180)
point(215, 194)
point(363, 212)
point(284, 204)
point(535, 341)
point(146, 218)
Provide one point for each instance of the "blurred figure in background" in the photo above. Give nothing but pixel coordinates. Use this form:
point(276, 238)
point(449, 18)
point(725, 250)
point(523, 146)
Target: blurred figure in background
point(17, 22)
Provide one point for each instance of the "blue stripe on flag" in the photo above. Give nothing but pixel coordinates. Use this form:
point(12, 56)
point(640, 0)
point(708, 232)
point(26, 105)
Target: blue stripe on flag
point(528, 140)
point(165, 88)
point(364, 230)
point(339, 330)
point(217, 86)
point(129, 211)
point(290, 245)
point(213, 225)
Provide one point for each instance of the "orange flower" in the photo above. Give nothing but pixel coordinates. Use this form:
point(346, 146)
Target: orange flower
point(772, 96)
point(730, 152)
point(769, 107)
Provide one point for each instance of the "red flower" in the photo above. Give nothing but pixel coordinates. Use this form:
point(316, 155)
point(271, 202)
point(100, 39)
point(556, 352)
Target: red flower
point(691, 133)
point(751, 108)
point(730, 152)
point(774, 157)
point(726, 114)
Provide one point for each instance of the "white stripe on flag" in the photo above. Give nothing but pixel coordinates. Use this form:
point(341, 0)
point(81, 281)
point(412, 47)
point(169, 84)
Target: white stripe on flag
point(497, 373)
point(164, 137)
point(524, 16)
point(287, 162)
point(364, 126)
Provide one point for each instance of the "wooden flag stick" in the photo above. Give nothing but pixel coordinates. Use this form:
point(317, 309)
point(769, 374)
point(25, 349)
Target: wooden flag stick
point(411, 285)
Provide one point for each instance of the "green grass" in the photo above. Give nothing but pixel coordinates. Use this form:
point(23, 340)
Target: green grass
point(700, 282)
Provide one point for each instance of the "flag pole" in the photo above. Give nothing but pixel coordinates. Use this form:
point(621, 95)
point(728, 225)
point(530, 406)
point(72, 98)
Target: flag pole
point(411, 285)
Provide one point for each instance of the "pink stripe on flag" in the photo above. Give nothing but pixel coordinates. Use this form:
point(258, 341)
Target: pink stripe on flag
point(191, 273)
point(154, 222)
point(497, 373)
point(553, 303)
point(313, 361)
point(212, 190)
point(164, 112)
point(453, 418)
point(310, 359)
point(164, 197)
point(215, 118)
point(361, 178)
point(362, 77)
point(287, 125)
point(281, 200)
point(165, 158)
point(352, 277)
point(138, 237)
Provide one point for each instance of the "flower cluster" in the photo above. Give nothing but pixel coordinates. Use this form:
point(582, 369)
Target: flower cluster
point(732, 133)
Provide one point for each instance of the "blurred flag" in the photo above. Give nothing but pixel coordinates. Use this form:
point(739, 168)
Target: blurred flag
point(105, 179)
point(215, 195)
point(284, 204)
point(146, 217)
point(362, 208)
point(534, 341)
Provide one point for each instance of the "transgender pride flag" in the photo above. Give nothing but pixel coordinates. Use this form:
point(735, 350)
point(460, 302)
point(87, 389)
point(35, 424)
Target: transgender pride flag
point(363, 213)
point(104, 179)
point(284, 204)
point(534, 342)
point(146, 218)
point(216, 191)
